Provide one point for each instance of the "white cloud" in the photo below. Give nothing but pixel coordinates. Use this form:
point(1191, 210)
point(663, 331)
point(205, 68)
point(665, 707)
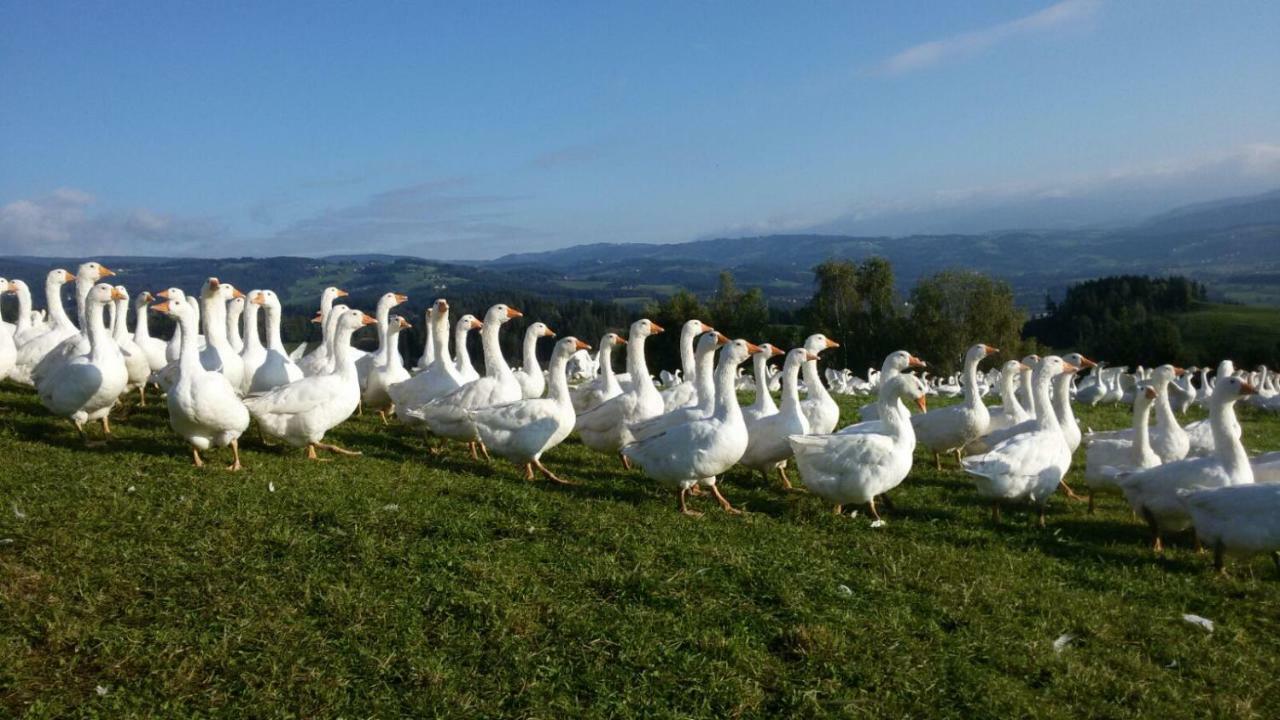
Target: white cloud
point(930, 53)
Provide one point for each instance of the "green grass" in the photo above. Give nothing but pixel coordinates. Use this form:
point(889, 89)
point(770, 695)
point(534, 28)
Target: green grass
point(402, 584)
point(1221, 325)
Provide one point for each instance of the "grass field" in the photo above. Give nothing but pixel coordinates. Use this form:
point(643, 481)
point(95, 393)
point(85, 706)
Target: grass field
point(402, 584)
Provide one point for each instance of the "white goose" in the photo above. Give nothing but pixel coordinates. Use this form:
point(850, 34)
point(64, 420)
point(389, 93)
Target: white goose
point(25, 327)
point(685, 392)
point(521, 431)
point(389, 369)
point(301, 412)
point(33, 350)
point(235, 309)
point(820, 409)
point(949, 429)
point(462, 355)
point(277, 367)
point(428, 343)
point(75, 344)
point(204, 408)
point(763, 405)
point(85, 387)
point(382, 313)
point(1010, 412)
point(605, 428)
point(605, 385)
point(1168, 439)
point(704, 372)
point(135, 362)
point(1200, 434)
point(533, 383)
point(317, 361)
point(895, 363)
point(439, 378)
point(1106, 459)
point(218, 355)
point(447, 416)
point(699, 450)
point(1237, 519)
point(254, 353)
point(767, 436)
point(8, 350)
point(1027, 467)
point(152, 348)
point(1153, 493)
point(855, 468)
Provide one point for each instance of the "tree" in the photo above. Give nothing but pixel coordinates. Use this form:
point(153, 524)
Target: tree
point(954, 309)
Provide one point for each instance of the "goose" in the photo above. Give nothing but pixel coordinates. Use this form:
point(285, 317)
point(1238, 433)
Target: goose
point(277, 367)
point(895, 363)
point(135, 363)
point(86, 386)
point(604, 386)
point(1010, 412)
point(1115, 388)
point(317, 362)
point(1237, 519)
point(763, 404)
point(949, 429)
point(1107, 458)
point(1025, 392)
point(447, 415)
point(301, 412)
point(388, 370)
point(152, 348)
point(855, 468)
point(1093, 393)
point(685, 393)
point(382, 313)
point(1201, 436)
point(768, 446)
point(1186, 391)
point(439, 378)
point(820, 409)
point(6, 328)
point(1061, 407)
point(33, 350)
point(25, 327)
point(204, 408)
point(704, 380)
point(75, 343)
point(1027, 467)
point(1153, 492)
point(699, 450)
point(218, 355)
point(173, 348)
point(254, 352)
point(532, 381)
point(522, 430)
point(462, 356)
point(235, 308)
point(1168, 439)
point(8, 350)
point(428, 342)
point(606, 427)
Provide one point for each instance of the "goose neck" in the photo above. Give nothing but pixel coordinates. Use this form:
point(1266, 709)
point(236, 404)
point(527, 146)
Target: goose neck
point(495, 365)
point(252, 339)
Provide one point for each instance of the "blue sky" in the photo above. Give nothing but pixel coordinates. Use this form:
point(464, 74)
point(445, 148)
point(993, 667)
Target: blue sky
point(469, 130)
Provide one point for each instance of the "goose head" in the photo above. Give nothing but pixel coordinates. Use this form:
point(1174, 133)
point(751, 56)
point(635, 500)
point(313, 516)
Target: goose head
point(396, 323)
point(501, 313)
point(737, 351)
point(331, 294)
point(795, 356)
point(979, 351)
point(644, 328)
point(708, 342)
point(540, 329)
point(1079, 360)
point(93, 271)
point(351, 320)
point(59, 277)
point(900, 361)
point(102, 294)
point(18, 287)
point(467, 323)
point(567, 346)
point(909, 389)
point(612, 340)
point(771, 351)
point(176, 306)
point(818, 342)
point(390, 300)
point(694, 328)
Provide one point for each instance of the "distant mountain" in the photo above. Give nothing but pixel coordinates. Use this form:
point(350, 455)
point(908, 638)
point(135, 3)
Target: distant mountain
point(1220, 214)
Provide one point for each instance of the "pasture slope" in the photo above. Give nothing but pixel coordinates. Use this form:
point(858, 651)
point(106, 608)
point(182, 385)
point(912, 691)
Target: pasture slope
point(404, 584)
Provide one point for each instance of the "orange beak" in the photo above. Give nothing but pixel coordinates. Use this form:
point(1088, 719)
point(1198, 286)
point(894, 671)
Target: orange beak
point(922, 402)
point(163, 294)
point(342, 293)
point(778, 351)
point(991, 350)
point(1023, 366)
point(366, 320)
point(707, 328)
point(401, 298)
point(548, 332)
point(67, 276)
point(752, 349)
point(316, 319)
point(116, 294)
point(916, 362)
point(476, 324)
point(721, 339)
point(809, 356)
point(441, 306)
point(1248, 389)
point(579, 345)
point(1151, 394)
point(235, 293)
point(161, 307)
point(1070, 368)
point(404, 324)
point(1179, 371)
point(656, 327)
point(259, 299)
point(514, 313)
point(620, 340)
point(213, 282)
point(832, 343)
point(104, 271)
point(1086, 362)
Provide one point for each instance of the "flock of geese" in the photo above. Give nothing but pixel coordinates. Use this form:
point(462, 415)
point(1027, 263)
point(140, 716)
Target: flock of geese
point(226, 365)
